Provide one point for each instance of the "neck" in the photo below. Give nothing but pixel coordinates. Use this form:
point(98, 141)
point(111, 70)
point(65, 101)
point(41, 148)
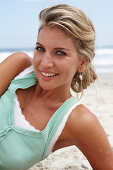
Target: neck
point(58, 94)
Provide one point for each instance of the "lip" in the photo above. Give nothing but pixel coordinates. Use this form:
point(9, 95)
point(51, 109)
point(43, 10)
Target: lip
point(46, 71)
point(48, 78)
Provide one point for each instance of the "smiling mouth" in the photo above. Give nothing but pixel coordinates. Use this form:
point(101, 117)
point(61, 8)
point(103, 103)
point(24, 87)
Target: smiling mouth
point(48, 74)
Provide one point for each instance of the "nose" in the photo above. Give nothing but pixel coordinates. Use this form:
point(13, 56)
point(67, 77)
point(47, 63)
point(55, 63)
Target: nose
point(47, 61)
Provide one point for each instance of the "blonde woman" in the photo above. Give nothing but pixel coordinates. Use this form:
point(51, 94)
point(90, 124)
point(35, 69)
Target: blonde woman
point(38, 114)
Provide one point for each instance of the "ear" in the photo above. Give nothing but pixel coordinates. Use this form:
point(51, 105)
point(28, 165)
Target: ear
point(81, 66)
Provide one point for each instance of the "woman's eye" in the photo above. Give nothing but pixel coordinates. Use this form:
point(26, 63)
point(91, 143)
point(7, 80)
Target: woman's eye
point(40, 49)
point(60, 53)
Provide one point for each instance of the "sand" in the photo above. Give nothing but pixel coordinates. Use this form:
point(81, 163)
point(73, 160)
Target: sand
point(99, 99)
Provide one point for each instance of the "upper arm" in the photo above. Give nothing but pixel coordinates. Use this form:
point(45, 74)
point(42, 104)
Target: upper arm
point(90, 138)
point(11, 67)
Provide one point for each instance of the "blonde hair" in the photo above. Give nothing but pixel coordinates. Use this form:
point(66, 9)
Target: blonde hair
point(76, 24)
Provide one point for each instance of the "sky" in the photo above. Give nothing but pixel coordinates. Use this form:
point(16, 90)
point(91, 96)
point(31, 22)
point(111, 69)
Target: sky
point(19, 20)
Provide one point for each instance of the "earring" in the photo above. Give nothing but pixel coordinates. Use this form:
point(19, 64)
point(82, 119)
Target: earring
point(80, 76)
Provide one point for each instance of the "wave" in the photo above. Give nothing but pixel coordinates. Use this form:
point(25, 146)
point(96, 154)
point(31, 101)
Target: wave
point(106, 51)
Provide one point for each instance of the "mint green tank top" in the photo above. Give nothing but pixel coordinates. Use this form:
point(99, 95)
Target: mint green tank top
point(20, 149)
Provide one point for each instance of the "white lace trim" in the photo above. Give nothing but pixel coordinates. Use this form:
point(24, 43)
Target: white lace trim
point(19, 118)
point(59, 130)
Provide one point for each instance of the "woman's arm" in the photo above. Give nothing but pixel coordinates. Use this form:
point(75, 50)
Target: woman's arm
point(89, 136)
point(11, 67)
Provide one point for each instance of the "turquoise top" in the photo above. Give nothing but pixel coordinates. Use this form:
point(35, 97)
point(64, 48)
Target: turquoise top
point(20, 149)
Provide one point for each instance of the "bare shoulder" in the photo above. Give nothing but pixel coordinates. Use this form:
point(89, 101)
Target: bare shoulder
point(11, 67)
point(17, 58)
point(89, 136)
point(83, 121)
point(22, 56)
point(82, 116)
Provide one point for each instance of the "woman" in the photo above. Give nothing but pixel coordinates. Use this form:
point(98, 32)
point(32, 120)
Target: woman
point(40, 114)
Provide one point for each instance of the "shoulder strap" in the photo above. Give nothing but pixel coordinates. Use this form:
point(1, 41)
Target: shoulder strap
point(24, 80)
point(27, 71)
point(57, 118)
point(59, 131)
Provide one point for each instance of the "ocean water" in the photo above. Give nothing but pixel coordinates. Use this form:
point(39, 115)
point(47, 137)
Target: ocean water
point(103, 61)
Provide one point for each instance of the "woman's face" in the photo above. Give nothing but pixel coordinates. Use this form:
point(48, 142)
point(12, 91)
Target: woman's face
point(55, 59)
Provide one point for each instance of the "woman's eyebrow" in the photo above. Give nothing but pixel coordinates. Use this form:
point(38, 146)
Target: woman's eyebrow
point(39, 43)
point(60, 48)
point(56, 48)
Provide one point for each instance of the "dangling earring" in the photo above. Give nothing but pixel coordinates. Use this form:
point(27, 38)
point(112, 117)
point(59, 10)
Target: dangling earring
point(80, 76)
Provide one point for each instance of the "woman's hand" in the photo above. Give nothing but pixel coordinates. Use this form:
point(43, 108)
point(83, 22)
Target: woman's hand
point(11, 67)
point(89, 136)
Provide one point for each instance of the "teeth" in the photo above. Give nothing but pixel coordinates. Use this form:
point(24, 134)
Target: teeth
point(48, 74)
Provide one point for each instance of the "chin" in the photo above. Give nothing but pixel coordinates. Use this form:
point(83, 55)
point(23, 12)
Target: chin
point(47, 87)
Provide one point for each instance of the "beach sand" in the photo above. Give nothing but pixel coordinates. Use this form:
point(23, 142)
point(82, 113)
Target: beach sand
point(99, 99)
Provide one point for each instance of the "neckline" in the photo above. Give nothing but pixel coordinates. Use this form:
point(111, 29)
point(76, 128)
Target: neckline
point(30, 132)
point(11, 113)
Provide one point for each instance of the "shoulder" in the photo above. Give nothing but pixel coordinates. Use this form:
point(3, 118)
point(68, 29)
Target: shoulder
point(11, 67)
point(82, 114)
point(82, 120)
point(22, 56)
point(89, 136)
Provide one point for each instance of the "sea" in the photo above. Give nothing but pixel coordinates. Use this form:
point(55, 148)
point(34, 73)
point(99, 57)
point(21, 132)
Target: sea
point(103, 61)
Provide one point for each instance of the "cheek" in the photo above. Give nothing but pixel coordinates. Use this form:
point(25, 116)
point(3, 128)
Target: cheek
point(36, 60)
point(75, 64)
point(36, 65)
point(70, 67)
point(72, 70)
